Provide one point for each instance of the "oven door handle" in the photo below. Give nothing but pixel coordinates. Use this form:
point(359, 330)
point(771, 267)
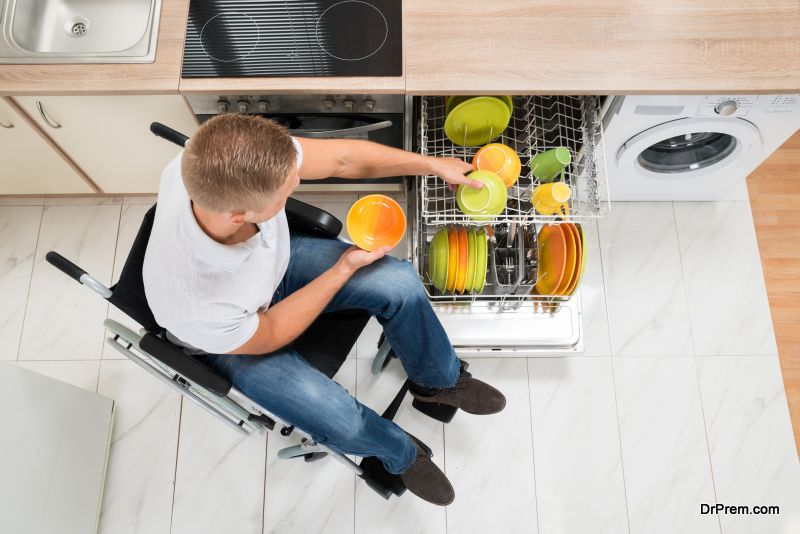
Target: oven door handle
point(325, 134)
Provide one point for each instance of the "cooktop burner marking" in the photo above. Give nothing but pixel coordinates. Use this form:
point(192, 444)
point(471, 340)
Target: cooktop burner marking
point(343, 4)
point(221, 23)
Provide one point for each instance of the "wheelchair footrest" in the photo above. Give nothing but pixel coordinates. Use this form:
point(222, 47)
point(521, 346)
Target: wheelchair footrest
point(440, 412)
point(379, 479)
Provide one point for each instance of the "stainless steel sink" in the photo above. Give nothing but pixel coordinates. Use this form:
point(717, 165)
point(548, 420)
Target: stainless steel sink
point(79, 31)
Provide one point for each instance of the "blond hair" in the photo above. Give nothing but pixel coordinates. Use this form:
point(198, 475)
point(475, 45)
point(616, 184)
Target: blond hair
point(236, 162)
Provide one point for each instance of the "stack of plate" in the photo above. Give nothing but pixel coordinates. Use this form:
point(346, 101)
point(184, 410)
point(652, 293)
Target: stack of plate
point(458, 260)
point(561, 252)
point(476, 120)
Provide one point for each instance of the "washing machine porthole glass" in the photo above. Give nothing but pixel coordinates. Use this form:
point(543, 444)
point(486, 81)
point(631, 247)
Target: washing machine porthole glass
point(687, 152)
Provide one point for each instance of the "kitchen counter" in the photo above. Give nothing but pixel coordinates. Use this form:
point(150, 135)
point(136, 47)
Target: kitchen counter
point(517, 47)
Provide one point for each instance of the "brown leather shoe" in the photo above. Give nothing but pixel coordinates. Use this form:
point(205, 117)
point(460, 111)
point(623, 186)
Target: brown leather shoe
point(424, 478)
point(470, 394)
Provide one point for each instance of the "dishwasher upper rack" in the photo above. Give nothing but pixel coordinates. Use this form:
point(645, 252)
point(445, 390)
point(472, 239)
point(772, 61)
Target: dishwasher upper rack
point(537, 123)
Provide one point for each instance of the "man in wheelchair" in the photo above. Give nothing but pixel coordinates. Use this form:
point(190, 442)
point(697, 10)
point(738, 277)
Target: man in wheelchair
point(229, 281)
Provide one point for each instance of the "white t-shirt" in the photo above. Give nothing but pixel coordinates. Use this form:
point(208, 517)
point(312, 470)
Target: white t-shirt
point(204, 293)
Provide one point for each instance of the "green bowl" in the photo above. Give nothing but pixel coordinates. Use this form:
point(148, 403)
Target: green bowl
point(482, 204)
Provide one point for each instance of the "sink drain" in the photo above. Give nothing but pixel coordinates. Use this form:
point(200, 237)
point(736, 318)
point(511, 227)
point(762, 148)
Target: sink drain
point(77, 27)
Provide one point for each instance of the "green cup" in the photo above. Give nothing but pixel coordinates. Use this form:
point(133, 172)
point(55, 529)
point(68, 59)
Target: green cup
point(547, 165)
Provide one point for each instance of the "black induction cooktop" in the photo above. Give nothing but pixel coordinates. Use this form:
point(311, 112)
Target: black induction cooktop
point(233, 38)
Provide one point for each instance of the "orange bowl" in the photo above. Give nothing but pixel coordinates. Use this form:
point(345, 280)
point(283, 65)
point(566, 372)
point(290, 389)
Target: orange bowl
point(376, 221)
point(452, 262)
point(501, 160)
point(463, 259)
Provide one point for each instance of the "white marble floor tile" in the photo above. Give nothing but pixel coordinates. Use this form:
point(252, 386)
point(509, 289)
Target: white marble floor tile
point(139, 482)
point(309, 497)
point(593, 297)
point(147, 200)
point(753, 455)
point(81, 373)
point(64, 320)
point(664, 450)
point(407, 513)
point(19, 231)
point(489, 458)
point(647, 310)
point(367, 343)
point(219, 481)
point(576, 446)
point(21, 201)
point(93, 200)
point(130, 221)
point(725, 288)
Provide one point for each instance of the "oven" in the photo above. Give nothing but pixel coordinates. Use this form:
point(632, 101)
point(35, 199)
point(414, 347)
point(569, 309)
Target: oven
point(384, 119)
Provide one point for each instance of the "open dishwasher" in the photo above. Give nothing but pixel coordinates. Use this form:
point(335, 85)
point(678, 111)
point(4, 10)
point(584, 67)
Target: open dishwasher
point(506, 318)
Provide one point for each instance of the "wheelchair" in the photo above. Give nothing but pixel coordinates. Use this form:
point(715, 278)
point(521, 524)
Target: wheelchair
point(325, 345)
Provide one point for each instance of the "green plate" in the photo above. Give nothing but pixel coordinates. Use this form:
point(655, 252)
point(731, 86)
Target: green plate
point(472, 256)
point(453, 101)
point(493, 191)
point(477, 121)
point(438, 259)
point(482, 261)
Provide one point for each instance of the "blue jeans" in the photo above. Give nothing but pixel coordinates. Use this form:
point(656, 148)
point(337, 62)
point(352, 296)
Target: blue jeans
point(288, 386)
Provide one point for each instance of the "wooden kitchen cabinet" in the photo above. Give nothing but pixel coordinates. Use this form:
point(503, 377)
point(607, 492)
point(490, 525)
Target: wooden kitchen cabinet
point(30, 166)
point(109, 136)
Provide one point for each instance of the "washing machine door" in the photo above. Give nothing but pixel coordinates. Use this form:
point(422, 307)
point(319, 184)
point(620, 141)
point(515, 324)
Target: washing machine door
point(690, 148)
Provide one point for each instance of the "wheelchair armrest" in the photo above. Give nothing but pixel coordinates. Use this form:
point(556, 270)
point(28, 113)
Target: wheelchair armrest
point(193, 370)
point(310, 219)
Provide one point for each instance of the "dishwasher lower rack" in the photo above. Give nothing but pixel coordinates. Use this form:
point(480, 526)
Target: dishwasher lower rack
point(537, 123)
point(505, 319)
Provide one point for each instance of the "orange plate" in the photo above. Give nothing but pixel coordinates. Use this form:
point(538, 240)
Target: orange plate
point(376, 221)
point(578, 259)
point(572, 256)
point(552, 248)
point(452, 261)
point(463, 259)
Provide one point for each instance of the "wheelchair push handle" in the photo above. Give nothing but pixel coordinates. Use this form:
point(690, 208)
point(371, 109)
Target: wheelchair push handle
point(168, 133)
point(63, 264)
point(75, 272)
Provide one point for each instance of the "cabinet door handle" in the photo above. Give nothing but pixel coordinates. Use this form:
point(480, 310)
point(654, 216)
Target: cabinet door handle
point(6, 125)
point(51, 123)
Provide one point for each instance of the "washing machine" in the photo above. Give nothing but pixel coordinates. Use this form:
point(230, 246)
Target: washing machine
point(692, 147)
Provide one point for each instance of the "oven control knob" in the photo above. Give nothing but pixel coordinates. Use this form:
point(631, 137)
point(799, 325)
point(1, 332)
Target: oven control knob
point(726, 108)
point(349, 105)
point(263, 106)
point(222, 105)
point(328, 104)
point(369, 104)
point(242, 106)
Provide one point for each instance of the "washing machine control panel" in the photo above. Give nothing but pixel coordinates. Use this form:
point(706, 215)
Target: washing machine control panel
point(726, 106)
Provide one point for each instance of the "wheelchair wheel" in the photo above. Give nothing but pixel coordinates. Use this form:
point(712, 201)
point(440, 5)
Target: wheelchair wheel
point(383, 357)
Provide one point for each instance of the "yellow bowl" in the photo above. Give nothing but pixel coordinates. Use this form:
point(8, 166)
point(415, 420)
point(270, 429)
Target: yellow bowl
point(376, 221)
